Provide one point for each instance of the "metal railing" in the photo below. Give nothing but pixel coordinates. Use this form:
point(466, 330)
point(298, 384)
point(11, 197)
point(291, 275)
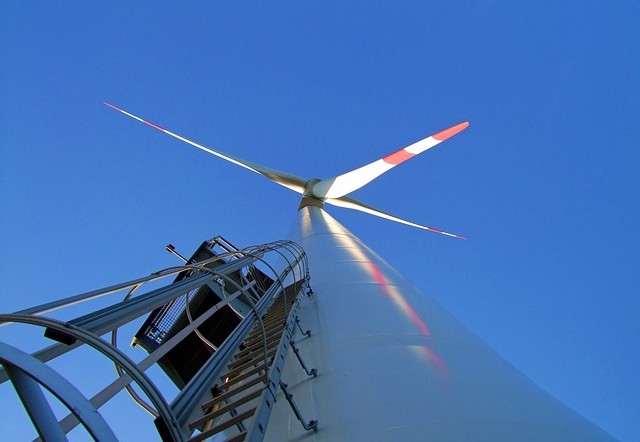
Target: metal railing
point(285, 264)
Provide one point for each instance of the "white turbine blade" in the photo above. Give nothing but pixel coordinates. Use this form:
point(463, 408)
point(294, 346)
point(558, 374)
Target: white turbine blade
point(351, 203)
point(287, 180)
point(348, 182)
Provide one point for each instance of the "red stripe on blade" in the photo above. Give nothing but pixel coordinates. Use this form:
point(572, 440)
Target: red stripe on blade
point(448, 133)
point(155, 126)
point(398, 157)
point(433, 229)
point(111, 106)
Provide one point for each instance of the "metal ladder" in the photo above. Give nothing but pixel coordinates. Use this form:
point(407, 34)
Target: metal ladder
point(232, 391)
point(242, 400)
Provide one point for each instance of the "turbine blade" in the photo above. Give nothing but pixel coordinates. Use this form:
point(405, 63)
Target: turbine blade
point(351, 203)
point(287, 180)
point(348, 182)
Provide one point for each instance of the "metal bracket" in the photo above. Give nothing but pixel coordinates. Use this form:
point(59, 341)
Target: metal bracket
point(313, 424)
point(308, 332)
point(313, 372)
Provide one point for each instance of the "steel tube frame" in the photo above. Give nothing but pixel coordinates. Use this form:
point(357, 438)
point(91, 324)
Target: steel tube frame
point(69, 422)
point(116, 315)
point(115, 355)
point(26, 372)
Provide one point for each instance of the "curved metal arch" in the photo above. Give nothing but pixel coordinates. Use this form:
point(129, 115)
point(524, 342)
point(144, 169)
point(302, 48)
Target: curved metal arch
point(114, 341)
point(70, 396)
point(304, 264)
point(115, 355)
point(276, 248)
point(277, 276)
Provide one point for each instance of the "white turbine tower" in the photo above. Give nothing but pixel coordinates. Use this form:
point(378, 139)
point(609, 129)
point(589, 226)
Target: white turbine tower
point(392, 364)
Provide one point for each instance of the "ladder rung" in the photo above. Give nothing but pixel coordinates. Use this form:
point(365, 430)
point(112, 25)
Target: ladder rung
point(222, 410)
point(223, 425)
point(268, 322)
point(278, 303)
point(256, 354)
point(210, 403)
point(267, 325)
point(239, 369)
point(276, 319)
point(275, 338)
point(236, 379)
point(257, 335)
point(237, 438)
point(277, 307)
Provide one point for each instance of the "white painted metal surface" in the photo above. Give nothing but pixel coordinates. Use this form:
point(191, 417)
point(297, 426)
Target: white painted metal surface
point(394, 366)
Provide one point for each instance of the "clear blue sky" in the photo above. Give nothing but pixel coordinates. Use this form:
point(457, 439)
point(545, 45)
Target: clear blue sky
point(545, 182)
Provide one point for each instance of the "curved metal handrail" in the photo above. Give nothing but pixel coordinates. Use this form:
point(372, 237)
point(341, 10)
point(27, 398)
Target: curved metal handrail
point(20, 364)
point(115, 355)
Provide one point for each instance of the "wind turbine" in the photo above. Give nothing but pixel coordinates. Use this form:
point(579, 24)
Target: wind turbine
point(393, 365)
